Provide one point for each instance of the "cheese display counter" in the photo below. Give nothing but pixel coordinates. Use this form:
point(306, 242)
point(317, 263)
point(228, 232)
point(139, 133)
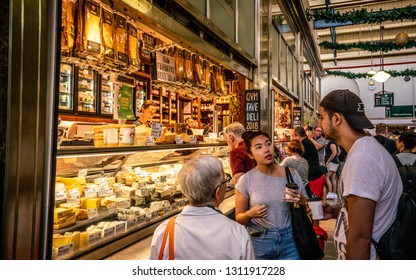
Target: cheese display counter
point(109, 198)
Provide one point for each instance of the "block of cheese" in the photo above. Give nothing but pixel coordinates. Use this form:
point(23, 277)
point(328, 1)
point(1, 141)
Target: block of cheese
point(61, 212)
point(127, 191)
point(59, 240)
point(69, 205)
point(74, 237)
point(66, 223)
point(92, 203)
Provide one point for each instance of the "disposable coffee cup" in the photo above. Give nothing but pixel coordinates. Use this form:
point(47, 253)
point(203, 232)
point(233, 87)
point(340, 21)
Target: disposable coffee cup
point(291, 186)
point(315, 204)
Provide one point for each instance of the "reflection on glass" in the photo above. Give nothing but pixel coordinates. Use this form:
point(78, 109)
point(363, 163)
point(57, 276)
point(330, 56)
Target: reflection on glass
point(86, 96)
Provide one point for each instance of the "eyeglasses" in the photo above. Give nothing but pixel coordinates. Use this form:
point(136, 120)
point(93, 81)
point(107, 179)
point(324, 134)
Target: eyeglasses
point(228, 179)
point(318, 130)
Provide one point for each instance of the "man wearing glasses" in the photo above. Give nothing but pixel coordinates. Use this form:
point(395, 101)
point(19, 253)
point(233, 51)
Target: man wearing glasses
point(201, 231)
point(319, 143)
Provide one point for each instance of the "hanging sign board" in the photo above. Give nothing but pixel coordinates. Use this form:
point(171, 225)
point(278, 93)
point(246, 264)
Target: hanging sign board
point(252, 109)
point(383, 98)
point(297, 114)
point(164, 68)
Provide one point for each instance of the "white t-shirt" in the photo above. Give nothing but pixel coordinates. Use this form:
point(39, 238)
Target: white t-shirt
point(369, 172)
point(202, 233)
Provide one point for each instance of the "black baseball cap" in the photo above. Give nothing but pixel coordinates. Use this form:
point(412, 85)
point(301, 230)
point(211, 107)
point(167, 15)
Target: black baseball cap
point(350, 105)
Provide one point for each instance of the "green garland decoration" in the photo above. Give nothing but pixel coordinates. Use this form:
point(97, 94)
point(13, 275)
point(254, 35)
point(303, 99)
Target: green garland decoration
point(353, 76)
point(367, 46)
point(364, 16)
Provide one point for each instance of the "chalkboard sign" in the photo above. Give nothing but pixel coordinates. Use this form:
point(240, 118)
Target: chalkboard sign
point(252, 110)
point(383, 98)
point(297, 115)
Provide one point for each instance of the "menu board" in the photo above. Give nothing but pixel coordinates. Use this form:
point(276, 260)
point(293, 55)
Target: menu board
point(252, 98)
point(165, 68)
point(383, 98)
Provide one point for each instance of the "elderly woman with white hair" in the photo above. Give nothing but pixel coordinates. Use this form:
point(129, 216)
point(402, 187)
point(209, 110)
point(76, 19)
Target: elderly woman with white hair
point(201, 231)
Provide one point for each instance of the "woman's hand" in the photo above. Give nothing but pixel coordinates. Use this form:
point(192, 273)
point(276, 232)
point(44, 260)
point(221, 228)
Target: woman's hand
point(294, 196)
point(257, 211)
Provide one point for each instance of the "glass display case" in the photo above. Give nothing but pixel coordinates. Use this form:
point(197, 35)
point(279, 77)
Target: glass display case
point(66, 92)
point(109, 198)
point(87, 101)
point(107, 96)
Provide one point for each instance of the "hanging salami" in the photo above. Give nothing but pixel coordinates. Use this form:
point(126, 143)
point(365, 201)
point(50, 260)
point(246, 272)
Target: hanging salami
point(92, 37)
point(179, 66)
point(133, 50)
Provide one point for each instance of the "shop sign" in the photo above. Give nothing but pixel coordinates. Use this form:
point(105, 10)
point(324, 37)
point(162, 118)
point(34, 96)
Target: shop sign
point(383, 98)
point(165, 68)
point(403, 111)
point(297, 116)
point(252, 100)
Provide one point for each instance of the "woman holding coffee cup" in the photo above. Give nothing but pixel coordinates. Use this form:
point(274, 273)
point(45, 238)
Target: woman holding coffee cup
point(261, 203)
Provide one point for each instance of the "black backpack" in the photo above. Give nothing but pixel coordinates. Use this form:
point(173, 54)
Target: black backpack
point(399, 241)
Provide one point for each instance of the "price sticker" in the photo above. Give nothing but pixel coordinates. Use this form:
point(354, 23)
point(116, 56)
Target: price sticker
point(150, 141)
point(90, 193)
point(109, 232)
point(131, 223)
point(102, 182)
point(157, 129)
point(125, 204)
point(60, 195)
point(92, 213)
point(112, 207)
point(121, 227)
point(74, 192)
point(65, 250)
point(178, 139)
point(94, 238)
point(192, 139)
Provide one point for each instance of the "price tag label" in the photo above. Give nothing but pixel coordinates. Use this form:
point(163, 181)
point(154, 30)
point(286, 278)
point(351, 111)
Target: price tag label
point(150, 141)
point(192, 139)
point(131, 224)
point(156, 130)
point(178, 139)
point(125, 204)
point(74, 192)
point(90, 193)
point(65, 250)
point(102, 182)
point(74, 199)
point(109, 232)
point(92, 213)
point(105, 191)
point(94, 238)
point(60, 195)
point(112, 208)
point(121, 228)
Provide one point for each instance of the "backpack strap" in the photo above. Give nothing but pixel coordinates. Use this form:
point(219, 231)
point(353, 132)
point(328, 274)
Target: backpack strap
point(397, 161)
point(169, 231)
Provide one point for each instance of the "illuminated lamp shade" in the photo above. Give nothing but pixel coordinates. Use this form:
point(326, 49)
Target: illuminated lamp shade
point(401, 39)
point(381, 76)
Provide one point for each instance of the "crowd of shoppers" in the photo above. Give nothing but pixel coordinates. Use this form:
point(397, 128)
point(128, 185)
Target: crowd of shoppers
point(337, 159)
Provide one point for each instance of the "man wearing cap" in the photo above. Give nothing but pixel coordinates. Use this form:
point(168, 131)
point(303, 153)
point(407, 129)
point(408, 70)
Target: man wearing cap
point(370, 184)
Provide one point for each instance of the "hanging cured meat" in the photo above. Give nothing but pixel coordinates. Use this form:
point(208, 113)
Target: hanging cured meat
point(121, 39)
point(133, 45)
point(189, 69)
point(199, 71)
point(92, 37)
point(107, 33)
point(68, 27)
point(208, 75)
point(179, 65)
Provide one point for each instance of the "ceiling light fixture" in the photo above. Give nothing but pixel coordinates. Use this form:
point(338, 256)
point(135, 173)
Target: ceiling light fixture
point(381, 76)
